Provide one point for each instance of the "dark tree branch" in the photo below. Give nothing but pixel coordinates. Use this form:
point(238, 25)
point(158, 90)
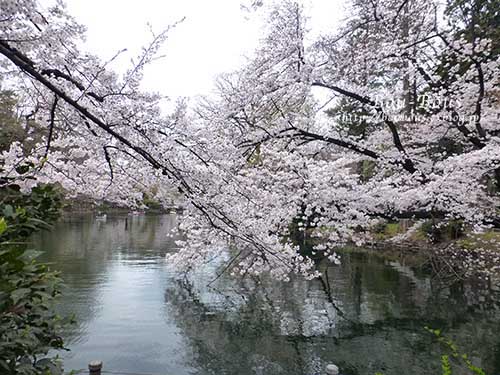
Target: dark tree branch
point(480, 97)
point(58, 74)
point(407, 164)
point(51, 125)
point(455, 120)
point(400, 8)
point(191, 151)
point(107, 156)
point(29, 68)
point(350, 146)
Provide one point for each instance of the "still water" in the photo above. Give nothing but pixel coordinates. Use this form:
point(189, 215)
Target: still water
point(137, 314)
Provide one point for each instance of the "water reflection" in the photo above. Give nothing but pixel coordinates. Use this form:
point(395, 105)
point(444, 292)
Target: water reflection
point(367, 315)
point(115, 277)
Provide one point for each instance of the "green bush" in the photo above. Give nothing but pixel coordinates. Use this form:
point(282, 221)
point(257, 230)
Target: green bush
point(29, 326)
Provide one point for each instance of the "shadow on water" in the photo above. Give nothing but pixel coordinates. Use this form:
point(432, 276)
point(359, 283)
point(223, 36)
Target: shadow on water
point(366, 315)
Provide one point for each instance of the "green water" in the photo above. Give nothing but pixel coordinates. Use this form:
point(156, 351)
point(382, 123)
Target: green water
point(136, 314)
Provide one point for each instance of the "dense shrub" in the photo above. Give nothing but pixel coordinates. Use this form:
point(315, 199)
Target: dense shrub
point(29, 326)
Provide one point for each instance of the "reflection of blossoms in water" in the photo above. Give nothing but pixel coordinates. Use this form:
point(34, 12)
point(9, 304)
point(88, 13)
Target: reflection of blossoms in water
point(374, 309)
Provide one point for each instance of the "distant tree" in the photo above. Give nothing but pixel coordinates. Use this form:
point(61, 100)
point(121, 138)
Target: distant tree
point(10, 127)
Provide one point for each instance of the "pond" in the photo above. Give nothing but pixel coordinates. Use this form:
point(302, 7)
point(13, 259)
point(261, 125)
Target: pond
point(137, 314)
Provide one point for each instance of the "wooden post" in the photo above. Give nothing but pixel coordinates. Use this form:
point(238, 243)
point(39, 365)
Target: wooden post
point(95, 368)
point(331, 369)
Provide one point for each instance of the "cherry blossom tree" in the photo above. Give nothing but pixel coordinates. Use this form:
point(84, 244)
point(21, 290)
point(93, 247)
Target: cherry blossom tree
point(107, 138)
point(428, 88)
point(264, 154)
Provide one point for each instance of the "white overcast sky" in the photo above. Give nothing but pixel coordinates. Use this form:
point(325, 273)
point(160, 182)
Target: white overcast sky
point(215, 36)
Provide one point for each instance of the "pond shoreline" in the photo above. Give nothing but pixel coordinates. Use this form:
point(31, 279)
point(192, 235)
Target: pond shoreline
point(468, 255)
point(447, 259)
